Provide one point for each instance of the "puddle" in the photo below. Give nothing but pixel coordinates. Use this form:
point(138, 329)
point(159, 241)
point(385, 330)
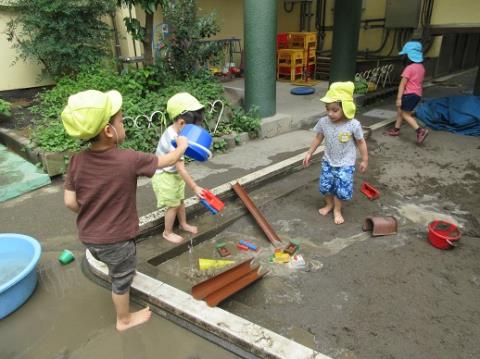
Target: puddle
point(423, 216)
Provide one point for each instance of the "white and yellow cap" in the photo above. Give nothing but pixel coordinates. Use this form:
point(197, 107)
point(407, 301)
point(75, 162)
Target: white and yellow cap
point(180, 103)
point(342, 92)
point(88, 112)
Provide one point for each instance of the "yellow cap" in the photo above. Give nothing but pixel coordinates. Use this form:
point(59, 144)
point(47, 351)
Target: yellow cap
point(88, 112)
point(180, 103)
point(342, 92)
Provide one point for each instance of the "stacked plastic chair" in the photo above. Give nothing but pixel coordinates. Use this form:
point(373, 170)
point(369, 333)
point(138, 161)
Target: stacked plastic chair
point(296, 55)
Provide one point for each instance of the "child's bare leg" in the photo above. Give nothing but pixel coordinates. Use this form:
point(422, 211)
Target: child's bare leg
point(125, 319)
point(337, 211)
point(328, 205)
point(407, 116)
point(182, 219)
point(168, 234)
point(399, 120)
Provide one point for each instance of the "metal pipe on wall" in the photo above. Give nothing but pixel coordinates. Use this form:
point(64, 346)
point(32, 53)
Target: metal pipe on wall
point(476, 86)
point(346, 29)
point(260, 33)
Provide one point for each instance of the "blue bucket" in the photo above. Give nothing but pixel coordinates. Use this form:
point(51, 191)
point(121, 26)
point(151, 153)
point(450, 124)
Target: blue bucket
point(199, 142)
point(19, 255)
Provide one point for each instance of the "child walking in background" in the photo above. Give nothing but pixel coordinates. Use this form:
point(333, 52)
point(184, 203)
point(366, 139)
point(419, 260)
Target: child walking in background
point(410, 90)
point(169, 182)
point(342, 134)
point(101, 187)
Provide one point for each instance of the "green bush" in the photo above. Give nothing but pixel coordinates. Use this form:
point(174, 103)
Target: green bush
point(62, 35)
point(52, 138)
point(5, 108)
point(249, 121)
point(184, 51)
point(143, 93)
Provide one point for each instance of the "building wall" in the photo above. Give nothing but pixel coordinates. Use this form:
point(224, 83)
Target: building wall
point(230, 17)
point(22, 74)
point(448, 12)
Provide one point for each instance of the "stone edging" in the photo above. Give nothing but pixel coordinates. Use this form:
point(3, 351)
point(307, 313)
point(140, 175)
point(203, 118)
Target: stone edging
point(155, 218)
point(243, 333)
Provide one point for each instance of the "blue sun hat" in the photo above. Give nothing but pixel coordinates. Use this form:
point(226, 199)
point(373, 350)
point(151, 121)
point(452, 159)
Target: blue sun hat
point(413, 50)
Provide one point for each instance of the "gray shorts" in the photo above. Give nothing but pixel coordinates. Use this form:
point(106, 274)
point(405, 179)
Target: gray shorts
point(121, 261)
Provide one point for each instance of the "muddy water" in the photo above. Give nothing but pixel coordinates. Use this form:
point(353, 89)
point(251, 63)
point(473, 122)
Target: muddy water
point(69, 316)
point(370, 297)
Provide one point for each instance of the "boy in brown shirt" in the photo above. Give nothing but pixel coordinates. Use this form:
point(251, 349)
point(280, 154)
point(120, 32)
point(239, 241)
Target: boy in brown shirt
point(101, 188)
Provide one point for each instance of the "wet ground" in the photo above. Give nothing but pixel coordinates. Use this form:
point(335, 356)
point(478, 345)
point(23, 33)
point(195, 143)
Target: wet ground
point(362, 296)
point(72, 317)
point(424, 305)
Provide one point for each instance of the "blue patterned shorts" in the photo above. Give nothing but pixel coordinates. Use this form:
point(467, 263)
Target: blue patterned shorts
point(337, 181)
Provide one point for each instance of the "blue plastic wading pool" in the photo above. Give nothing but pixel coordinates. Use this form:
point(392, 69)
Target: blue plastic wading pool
point(19, 254)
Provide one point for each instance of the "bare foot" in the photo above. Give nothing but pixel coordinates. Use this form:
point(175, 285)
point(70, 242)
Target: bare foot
point(134, 319)
point(325, 210)
point(172, 237)
point(188, 228)
point(337, 217)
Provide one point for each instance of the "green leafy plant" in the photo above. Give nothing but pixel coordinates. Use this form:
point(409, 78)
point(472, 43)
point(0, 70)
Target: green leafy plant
point(52, 138)
point(62, 35)
point(242, 121)
point(219, 145)
point(143, 93)
point(184, 48)
point(5, 108)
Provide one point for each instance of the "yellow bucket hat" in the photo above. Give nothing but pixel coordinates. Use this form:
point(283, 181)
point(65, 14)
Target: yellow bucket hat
point(88, 112)
point(342, 92)
point(180, 103)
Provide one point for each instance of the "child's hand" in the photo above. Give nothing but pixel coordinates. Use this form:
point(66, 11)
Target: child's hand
point(307, 160)
point(182, 142)
point(199, 192)
point(363, 166)
point(398, 102)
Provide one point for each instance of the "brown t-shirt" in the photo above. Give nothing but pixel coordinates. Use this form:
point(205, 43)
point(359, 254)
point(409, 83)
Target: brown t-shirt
point(105, 184)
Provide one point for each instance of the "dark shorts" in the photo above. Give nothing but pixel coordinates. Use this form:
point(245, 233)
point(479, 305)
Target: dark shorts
point(121, 261)
point(409, 101)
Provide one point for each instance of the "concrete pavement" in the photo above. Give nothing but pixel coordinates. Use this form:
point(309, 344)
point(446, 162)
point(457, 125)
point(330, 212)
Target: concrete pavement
point(42, 215)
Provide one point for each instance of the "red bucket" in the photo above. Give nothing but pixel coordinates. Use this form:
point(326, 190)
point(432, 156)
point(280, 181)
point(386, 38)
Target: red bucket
point(443, 234)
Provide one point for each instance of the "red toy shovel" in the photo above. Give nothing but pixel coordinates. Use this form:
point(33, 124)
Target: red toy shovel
point(213, 200)
point(370, 191)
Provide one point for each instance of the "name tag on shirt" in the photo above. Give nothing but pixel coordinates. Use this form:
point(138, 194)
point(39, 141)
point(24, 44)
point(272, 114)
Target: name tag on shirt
point(344, 137)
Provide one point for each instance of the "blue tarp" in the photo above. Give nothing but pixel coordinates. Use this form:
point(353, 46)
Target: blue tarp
point(457, 114)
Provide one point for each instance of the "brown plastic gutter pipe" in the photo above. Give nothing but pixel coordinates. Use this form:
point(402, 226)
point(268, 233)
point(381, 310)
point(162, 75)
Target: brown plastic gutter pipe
point(216, 289)
point(255, 212)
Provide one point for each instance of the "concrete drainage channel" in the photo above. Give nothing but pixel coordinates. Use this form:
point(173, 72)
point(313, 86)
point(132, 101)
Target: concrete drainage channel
point(165, 272)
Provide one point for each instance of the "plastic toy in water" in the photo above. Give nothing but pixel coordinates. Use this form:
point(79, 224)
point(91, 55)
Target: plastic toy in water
point(66, 257)
point(205, 264)
point(222, 249)
point(211, 202)
point(242, 247)
point(280, 257)
point(297, 262)
point(248, 244)
point(368, 190)
point(291, 248)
